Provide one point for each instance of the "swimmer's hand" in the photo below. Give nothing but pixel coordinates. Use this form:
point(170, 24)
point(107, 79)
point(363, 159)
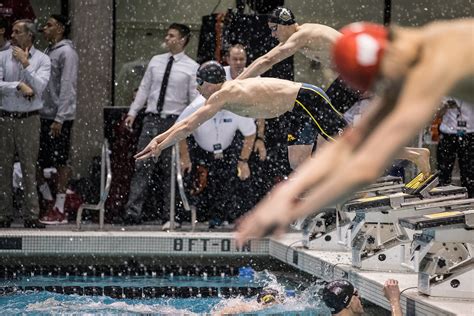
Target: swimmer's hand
point(153, 149)
point(260, 149)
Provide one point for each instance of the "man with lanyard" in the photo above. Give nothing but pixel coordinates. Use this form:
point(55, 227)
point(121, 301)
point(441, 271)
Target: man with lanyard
point(216, 140)
point(457, 139)
point(169, 84)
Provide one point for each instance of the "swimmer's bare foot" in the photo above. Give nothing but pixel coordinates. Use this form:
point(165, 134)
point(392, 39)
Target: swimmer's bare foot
point(423, 162)
point(421, 158)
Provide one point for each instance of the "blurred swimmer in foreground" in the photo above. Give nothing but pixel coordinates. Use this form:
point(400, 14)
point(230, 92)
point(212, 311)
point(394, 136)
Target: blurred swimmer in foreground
point(410, 69)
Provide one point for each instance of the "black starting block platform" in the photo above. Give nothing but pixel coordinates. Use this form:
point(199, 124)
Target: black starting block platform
point(434, 220)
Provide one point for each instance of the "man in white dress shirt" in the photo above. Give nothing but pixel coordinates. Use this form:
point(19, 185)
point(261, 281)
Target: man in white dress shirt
point(24, 74)
point(457, 140)
point(169, 84)
point(215, 150)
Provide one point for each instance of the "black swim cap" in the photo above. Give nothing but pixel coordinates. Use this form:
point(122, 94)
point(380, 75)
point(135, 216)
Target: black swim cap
point(211, 71)
point(337, 295)
point(282, 16)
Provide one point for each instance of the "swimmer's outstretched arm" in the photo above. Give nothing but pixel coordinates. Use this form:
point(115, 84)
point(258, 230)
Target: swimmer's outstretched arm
point(274, 56)
point(184, 128)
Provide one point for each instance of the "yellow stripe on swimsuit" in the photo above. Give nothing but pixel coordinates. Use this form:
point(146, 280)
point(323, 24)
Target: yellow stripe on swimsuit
point(314, 120)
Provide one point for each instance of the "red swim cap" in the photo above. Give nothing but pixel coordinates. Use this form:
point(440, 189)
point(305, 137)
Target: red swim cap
point(358, 52)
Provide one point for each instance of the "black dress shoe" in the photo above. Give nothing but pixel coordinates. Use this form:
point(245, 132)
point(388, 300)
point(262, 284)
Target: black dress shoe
point(131, 219)
point(5, 223)
point(33, 223)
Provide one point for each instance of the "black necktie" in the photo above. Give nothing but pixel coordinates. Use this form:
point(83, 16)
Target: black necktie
point(164, 84)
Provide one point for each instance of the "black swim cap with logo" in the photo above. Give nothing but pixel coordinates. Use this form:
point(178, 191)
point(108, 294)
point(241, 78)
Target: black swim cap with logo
point(337, 295)
point(282, 16)
point(211, 71)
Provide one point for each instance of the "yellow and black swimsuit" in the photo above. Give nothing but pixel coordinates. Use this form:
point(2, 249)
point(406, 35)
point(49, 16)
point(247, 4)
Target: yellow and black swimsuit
point(313, 113)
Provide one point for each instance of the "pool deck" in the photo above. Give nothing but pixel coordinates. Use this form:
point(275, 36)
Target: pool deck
point(149, 240)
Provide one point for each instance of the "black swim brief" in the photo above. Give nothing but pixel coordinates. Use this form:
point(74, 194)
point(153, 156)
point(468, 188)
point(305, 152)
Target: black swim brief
point(313, 113)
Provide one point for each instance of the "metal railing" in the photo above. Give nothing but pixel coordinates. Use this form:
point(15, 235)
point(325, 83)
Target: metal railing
point(105, 183)
point(177, 175)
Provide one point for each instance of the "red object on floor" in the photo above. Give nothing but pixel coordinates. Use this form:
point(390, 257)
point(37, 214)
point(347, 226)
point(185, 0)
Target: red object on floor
point(54, 217)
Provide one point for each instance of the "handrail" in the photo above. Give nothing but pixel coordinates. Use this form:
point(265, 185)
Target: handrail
point(179, 178)
point(176, 167)
point(105, 184)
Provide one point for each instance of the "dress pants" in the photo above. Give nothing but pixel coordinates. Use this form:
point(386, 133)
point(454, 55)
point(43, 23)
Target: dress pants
point(21, 136)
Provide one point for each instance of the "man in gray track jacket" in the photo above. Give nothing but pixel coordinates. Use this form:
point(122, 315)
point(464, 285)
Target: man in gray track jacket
point(58, 114)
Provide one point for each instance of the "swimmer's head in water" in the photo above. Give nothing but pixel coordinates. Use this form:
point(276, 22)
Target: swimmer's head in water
point(337, 295)
point(282, 16)
point(269, 296)
point(211, 71)
point(357, 54)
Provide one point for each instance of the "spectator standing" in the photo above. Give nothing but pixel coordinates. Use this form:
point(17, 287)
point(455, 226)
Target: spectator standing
point(253, 187)
point(4, 42)
point(169, 84)
point(58, 114)
point(457, 140)
point(24, 74)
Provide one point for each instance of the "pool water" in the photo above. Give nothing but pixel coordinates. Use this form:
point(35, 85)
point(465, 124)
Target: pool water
point(172, 295)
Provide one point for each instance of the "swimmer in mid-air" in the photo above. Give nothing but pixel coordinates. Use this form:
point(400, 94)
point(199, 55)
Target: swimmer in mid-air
point(411, 69)
point(314, 41)
point(257, 98)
